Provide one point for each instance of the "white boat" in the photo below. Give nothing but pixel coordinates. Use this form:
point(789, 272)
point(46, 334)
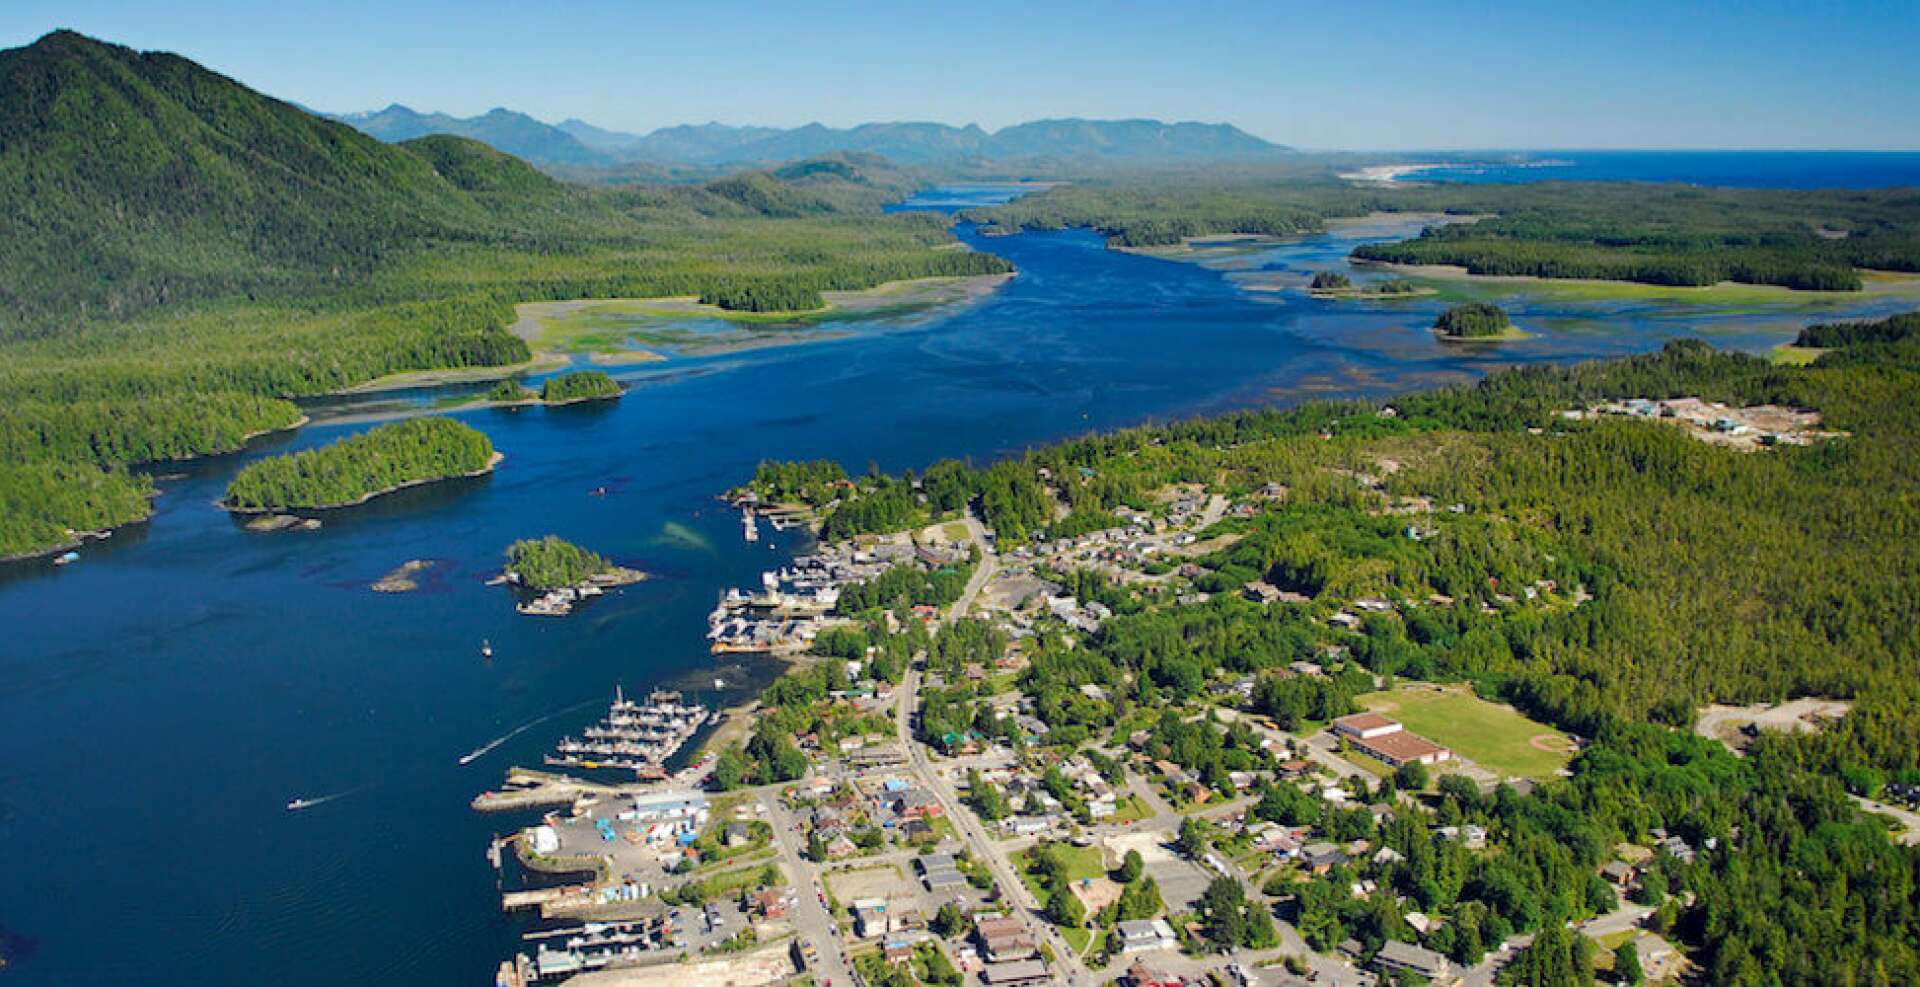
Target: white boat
point(719, 683)
point(67, 558)
point(486, 649)
point(297, 804)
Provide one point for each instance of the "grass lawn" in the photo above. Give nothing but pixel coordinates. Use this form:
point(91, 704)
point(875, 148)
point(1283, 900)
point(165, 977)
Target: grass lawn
point(1493, 735)
point(1614, 940)
point(1794, 356)
point(1079, 939)
point(725, 884)
point(1131, 809)
point(1082, 863)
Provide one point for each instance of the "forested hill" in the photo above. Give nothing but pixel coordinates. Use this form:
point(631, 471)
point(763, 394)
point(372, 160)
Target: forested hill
point(133, 178)
point(183, 254)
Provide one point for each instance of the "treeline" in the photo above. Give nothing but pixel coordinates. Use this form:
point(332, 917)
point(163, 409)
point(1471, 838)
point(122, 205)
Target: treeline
point(361, 466)
point(581, 385)
point(1831, 335)
point(107, 431)
point(42, 505)
point(551, 562)
point(1656, 234)
point(813, 483)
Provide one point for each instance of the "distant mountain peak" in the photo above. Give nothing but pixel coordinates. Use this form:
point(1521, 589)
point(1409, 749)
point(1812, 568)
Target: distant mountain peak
point(575, 142)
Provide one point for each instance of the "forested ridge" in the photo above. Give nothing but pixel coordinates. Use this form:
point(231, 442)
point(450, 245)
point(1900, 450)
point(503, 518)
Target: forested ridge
point(361, 466)
point(184, 255)
point(1657, 234)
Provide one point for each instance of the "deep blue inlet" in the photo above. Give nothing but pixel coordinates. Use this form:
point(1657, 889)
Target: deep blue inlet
point(162, 699)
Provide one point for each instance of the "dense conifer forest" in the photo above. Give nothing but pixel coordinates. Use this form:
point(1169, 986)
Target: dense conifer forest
point(581, 385)
point(361, 466)
point(169, 290)
point(552, 562)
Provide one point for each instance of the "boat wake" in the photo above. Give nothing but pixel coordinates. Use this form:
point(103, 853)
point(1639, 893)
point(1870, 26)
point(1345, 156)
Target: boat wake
point(490, 746)
point(305, 803)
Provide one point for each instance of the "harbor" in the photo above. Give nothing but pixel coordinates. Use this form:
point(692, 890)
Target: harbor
point(797, 601)
point(639, 737)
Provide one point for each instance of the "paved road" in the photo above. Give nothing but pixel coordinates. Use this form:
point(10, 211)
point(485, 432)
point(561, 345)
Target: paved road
point(972, 834)
point(1627, 916)
point(1911, 835)
point(811, 920)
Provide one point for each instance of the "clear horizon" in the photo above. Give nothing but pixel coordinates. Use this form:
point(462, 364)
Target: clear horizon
point(1395, 77)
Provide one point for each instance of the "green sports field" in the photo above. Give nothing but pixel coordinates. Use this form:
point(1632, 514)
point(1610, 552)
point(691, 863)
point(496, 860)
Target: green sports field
point(1494, 736)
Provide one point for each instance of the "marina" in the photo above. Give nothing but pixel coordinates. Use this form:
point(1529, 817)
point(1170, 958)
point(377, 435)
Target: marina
point(634, 736)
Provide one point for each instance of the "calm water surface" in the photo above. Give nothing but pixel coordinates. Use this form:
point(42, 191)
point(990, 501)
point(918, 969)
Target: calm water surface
point(163, 699)
point(1737, 169)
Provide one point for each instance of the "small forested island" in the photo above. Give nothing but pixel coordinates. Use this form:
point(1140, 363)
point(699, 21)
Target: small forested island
point(552, 562)
point(564, 574)
point(570, 388)
point(361, 467)
point(582, 385)
point(1476, 322)
point(1333, 284)
point(511, 392)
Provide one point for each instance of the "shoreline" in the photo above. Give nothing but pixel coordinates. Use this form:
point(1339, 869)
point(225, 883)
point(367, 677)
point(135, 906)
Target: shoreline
point(1873, 283)
point(553, 327)
point(78, 540)
point(409, 379)
point(498, 457)
point(1362, 294)
point(1207, 245)
point(1387, 174)
point(1510, 334)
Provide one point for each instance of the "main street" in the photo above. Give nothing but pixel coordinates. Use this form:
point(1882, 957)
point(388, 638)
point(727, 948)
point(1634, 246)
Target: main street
point(811, 921)
point(977, 839)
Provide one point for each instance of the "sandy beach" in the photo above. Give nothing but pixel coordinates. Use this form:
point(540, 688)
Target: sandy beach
point(1387, 174)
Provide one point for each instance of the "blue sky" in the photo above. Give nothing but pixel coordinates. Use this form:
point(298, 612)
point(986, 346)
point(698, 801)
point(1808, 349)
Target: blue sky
point(1422, 75)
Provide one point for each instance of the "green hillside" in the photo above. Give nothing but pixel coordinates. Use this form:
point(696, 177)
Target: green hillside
point(184, 254)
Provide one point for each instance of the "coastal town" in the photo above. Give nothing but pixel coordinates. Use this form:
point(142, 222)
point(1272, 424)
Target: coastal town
point(950, 818)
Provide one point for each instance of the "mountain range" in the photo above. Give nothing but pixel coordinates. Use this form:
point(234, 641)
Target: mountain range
point(576, 144)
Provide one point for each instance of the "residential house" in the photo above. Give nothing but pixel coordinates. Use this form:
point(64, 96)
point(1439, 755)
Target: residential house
point(1141, 935)
point(1141, 975)
point(1405, 957)
point(1017, 974)
point(1003, 938)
